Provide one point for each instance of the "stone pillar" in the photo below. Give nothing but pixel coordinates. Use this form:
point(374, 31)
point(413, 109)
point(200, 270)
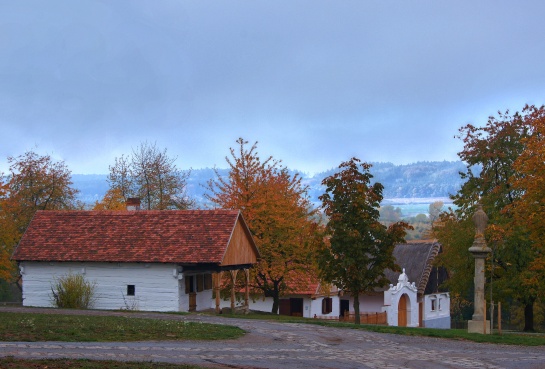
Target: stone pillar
point(480, 251)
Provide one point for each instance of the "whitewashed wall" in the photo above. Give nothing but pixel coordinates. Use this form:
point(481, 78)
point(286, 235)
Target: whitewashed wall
point(368, 303)
point(371, 303)
point(259, 304)
point(316, 307)
point(310, 307)
point(437, 315)
point(156, 285)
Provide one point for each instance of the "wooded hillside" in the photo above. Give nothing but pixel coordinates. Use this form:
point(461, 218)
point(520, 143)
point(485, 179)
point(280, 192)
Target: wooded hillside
point(422, 179)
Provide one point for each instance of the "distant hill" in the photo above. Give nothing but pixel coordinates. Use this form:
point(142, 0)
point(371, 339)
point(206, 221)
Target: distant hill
point(417, 180)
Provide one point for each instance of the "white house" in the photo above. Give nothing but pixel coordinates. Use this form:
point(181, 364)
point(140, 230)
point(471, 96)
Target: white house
point(413, 298)
point(146, 260)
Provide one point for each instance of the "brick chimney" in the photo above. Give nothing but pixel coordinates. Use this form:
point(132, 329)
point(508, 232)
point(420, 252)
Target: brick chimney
point(133, 203)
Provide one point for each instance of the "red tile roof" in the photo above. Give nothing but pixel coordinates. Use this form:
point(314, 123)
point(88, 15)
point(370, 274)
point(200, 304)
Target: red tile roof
point(172, 236)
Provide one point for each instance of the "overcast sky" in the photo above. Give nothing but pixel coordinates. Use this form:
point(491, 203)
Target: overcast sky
point(315, 82)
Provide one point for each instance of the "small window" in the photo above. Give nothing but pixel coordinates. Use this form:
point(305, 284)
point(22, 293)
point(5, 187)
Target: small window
point(327, 305)
point(439, 304)
point(433, 305)
point(130, 290)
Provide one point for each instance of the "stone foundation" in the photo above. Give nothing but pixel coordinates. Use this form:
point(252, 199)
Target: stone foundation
point(476, 326)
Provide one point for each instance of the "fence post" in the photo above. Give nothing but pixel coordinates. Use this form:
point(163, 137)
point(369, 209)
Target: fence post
point(499, 318)
point(484, 316)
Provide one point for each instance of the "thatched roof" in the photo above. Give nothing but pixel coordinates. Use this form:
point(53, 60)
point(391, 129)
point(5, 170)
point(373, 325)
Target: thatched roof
point(416, 257)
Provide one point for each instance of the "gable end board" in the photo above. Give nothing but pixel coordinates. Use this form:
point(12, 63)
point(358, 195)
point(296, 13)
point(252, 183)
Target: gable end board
point(241, 248)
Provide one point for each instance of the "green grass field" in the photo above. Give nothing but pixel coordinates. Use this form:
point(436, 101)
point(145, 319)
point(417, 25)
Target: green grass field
point(82, 328)
point(13, 363)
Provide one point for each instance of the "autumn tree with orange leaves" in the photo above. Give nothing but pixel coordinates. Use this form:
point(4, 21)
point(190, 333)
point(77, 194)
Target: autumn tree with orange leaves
point(113, 200)
point(275, 205)
point(528, 209)
point(494, 154)
point(34, 183)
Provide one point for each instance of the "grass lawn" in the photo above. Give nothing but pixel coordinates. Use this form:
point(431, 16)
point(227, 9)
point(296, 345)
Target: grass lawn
point(510, 338)
point(82, 328)
point(12, 363)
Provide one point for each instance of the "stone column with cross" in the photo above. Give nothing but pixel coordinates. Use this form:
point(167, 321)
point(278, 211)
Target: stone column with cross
point(480, 251)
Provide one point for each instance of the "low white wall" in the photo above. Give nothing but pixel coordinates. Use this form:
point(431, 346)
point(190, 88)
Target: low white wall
point(437, 310)
point(258, 304)
point(156, 286)
point(371, 304)
point(368, 304)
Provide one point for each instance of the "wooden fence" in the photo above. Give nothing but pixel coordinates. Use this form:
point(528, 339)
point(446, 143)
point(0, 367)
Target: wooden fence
point(366, 318)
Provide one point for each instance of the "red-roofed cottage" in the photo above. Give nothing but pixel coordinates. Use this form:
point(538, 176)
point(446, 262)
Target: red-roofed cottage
point(146, 260)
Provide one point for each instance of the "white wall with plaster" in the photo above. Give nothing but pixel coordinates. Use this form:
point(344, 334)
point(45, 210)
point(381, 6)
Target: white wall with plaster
point(155, 285)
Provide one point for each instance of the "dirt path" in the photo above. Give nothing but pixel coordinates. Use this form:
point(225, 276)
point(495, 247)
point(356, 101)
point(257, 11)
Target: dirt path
point(287, 345)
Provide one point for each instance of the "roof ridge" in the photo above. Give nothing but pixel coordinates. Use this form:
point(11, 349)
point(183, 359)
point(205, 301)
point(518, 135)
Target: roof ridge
point(432, 254)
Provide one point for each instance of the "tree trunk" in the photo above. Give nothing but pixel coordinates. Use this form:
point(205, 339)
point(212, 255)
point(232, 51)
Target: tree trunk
point(529, 317)
point(356, 297)
point(276, 298)
point(276, 302)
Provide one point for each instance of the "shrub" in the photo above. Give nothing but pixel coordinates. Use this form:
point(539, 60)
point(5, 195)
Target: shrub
point(73, 292)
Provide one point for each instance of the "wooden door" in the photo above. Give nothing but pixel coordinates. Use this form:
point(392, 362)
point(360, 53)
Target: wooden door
point(402, 311)
point(284, 307)
point(345, 307)
point(192, 301)
point(296, 308)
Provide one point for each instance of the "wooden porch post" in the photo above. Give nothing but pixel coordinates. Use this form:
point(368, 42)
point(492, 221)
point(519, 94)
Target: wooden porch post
point(217, 283)
point(233, 286)
point(247, 291)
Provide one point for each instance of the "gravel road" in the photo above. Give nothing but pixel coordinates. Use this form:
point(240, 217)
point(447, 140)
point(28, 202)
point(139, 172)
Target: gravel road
point(287, 345)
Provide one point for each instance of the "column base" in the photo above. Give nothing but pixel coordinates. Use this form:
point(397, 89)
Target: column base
point(477, 326)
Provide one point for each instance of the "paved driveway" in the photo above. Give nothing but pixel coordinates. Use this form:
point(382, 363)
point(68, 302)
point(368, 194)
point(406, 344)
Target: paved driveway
point(286, 345)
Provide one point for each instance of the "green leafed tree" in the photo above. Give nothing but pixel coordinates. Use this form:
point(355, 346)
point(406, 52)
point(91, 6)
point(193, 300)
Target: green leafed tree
point(360, 248)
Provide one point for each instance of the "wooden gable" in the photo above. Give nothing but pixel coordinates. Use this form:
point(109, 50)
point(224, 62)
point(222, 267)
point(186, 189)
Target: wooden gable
point(241, 248)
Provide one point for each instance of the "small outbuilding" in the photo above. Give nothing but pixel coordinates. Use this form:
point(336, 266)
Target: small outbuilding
point(168, 260)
